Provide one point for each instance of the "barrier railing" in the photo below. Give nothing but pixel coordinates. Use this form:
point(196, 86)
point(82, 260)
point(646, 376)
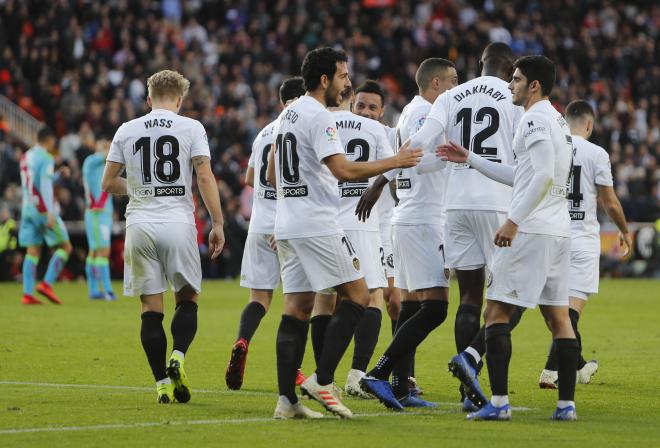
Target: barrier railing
point(22, 125)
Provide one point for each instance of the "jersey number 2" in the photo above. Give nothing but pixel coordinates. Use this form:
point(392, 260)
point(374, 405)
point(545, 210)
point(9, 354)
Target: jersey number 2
point(170, 159)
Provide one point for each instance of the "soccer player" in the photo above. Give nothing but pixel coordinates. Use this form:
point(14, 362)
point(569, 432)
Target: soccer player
point(591, 183)
point(260, 270)
point(314, 252)
point(479, 114)
point(39, 220)
point(159, 151)
point(417, 234)
point(364, 140)
point(98, 224)
point(530, 265)
point(370, 103)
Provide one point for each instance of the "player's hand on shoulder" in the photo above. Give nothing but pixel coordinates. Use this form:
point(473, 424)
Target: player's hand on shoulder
point(505, 234)
point(452, 152)
point(216, 241)
point(408, 157)
point(625, 241)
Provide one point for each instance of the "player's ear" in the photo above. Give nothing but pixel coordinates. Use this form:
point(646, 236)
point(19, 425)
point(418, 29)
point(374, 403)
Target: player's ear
point(324, 81)
point(149, 100)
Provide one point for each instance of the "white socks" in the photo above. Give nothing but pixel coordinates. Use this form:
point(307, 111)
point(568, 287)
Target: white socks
point(178, 354)
point(561, 404)
point(163, 381)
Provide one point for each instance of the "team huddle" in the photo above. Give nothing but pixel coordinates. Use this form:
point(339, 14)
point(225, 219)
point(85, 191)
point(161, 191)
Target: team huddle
point(349, 213)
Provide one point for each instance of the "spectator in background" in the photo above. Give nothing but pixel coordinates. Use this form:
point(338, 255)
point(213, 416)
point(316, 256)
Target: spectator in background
point(82, 66)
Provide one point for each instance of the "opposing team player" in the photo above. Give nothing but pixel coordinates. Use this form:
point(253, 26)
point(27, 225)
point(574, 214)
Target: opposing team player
point(417, 233)
point(39, 219)
point(314, 252)
point(591, 183)
point(260, 270)
point(159, 151)
point(98, 224)
point(530, 266)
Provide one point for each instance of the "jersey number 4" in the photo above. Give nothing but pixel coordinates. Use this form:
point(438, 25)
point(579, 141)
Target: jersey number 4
point(167, 168)
point(475, 144)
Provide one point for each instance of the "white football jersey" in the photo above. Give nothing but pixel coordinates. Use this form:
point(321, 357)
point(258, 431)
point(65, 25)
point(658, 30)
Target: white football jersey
point(385, 204)
point(543, 122)
point(591, 168)
point(307, 199)
point(364, 140)
point(480, 116)
point(421, 196)
point(157, 150)
point(264, 195)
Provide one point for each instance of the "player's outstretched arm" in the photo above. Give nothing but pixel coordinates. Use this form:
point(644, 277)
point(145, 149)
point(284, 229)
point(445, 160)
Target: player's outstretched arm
point(346, 170)
point(209, 191)
point(112, 182)
point(499, 172)
point(610, 203)
point(370, 197)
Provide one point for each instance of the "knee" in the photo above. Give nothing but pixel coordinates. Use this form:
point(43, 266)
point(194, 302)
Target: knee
point(435, 313)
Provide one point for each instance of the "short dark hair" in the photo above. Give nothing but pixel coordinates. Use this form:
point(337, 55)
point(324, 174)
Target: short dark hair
point(44, 134)
point(319, 62)
point(371, 86)
point(498, 57)
point(429, 69)
point(291, 88)
point(538, 68)
point(578, 110)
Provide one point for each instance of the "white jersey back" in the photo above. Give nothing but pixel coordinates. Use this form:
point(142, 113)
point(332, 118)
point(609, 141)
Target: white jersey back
point(385, 204)
point(591, 168)
point(157, 150)
point(264, 195)
point(421, 196)
point(480, 116)
point(307, 199)
point(543, 122)
point(364, 140)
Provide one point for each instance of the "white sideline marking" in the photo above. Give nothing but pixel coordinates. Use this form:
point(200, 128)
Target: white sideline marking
point(203, 391)
point(229, 421)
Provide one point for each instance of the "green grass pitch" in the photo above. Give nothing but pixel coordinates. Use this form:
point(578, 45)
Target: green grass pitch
point(75, 375)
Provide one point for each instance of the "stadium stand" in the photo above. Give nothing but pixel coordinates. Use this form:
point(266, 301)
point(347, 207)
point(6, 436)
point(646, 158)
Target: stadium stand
point(81, 67)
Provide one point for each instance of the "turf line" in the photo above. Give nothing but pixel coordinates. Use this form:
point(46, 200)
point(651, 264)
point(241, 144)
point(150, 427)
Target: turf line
point(231, 421)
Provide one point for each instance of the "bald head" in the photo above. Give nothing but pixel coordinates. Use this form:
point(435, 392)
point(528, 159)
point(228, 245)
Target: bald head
point(497, 60)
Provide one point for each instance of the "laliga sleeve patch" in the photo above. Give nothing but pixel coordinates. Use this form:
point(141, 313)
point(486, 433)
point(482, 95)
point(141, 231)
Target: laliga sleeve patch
point(331, 134)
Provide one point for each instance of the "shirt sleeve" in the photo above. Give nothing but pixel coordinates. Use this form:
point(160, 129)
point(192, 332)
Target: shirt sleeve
point(535, 130)
point(46, 183)
point(251, 159)
point(324, 136)
point(440, 112)
point(116, 153)
point(542, 157)
point(603, 170)
point(200, 142)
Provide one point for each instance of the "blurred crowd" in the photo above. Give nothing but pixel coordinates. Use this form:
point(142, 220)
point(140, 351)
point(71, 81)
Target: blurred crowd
point(81, 66)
